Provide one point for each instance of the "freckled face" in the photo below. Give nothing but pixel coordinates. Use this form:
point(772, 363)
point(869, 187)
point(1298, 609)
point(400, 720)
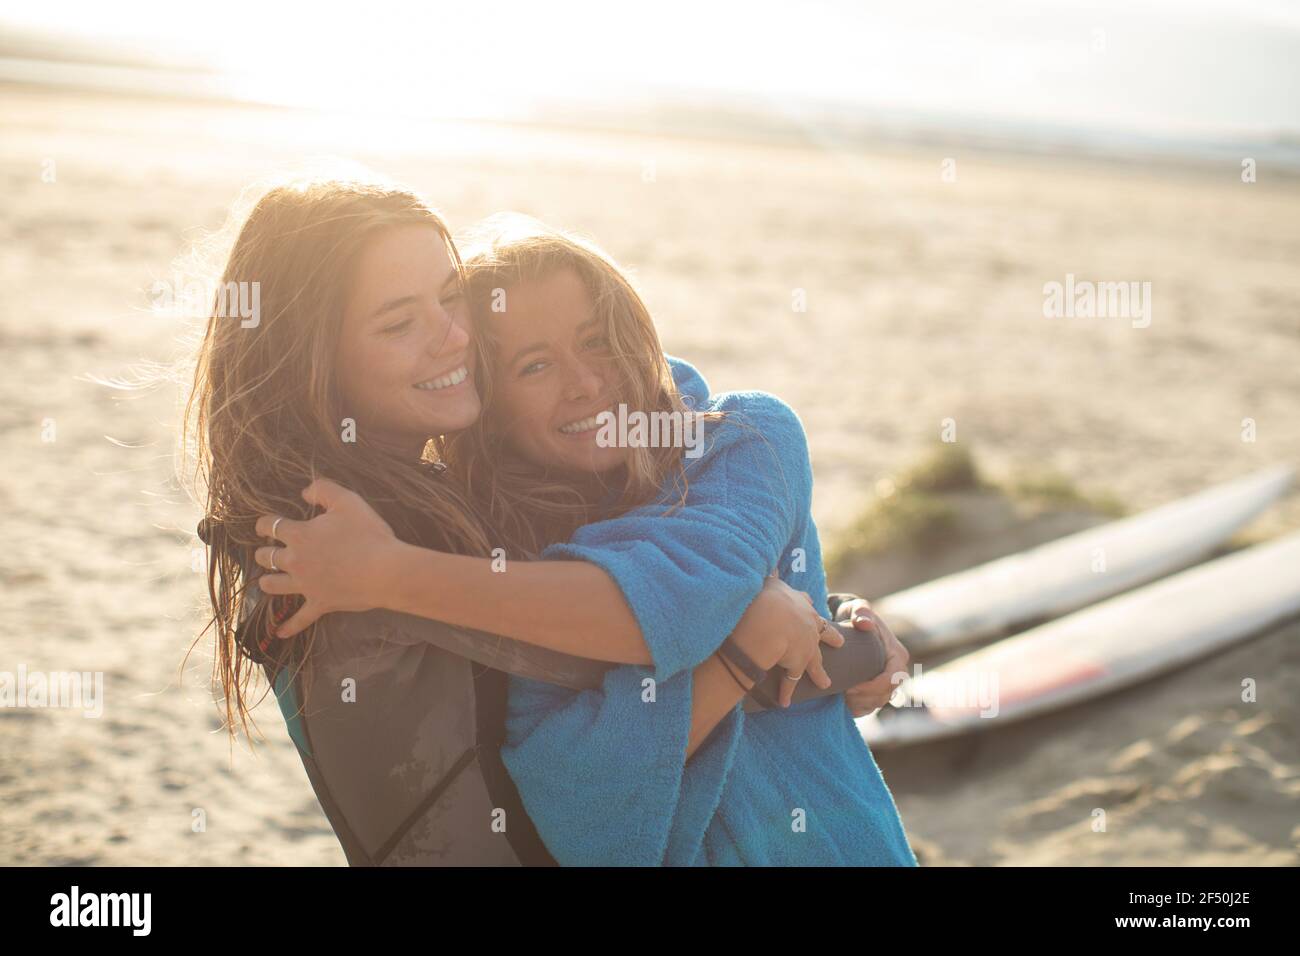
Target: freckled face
point(404, 362)
point(555, 374)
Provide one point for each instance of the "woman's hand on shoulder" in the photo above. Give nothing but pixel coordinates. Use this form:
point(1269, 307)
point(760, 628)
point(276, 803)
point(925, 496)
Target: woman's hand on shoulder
point(336, 560)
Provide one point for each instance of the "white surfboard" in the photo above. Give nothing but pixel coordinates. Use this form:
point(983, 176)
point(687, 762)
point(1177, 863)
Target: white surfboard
point(1121, 641)
point(1075, 571)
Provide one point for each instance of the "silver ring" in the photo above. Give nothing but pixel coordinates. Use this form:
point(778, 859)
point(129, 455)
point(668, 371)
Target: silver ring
point(275, 524)
point(794, 677)
point(273, 567)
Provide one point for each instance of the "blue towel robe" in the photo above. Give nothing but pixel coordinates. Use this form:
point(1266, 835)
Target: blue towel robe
point(603, 773)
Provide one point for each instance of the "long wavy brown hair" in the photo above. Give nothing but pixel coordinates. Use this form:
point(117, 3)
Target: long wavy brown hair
point(525, 503)
point(264, 416)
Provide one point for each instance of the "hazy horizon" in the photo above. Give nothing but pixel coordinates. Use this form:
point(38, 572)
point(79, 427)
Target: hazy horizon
point(1198, 71)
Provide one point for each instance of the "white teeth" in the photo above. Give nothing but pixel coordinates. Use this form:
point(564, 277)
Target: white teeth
point(446, 381)
point(586, 425)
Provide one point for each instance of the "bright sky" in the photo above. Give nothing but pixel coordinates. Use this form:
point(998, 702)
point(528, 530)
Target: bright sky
point(1155, 66)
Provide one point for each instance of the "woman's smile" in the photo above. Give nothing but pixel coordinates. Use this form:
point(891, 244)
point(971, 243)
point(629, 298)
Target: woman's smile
point(584, 426)
point(440, 383)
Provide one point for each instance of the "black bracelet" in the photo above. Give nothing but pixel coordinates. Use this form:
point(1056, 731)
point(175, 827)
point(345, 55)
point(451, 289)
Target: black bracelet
point(732, 652)
point(739, 682)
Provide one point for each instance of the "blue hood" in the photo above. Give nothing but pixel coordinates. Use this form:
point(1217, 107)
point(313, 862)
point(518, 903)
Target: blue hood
point(689, 381)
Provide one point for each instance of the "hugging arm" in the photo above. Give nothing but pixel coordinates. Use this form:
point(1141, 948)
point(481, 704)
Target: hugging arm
point(622, 591)
point(628, 598)
point(348, 559)
point(717, 688)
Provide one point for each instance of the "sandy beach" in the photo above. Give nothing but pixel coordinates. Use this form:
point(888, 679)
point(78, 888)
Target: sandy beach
point(923, 301)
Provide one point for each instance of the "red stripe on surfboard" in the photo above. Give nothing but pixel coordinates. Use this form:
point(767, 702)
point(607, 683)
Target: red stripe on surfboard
point(1025, 681)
